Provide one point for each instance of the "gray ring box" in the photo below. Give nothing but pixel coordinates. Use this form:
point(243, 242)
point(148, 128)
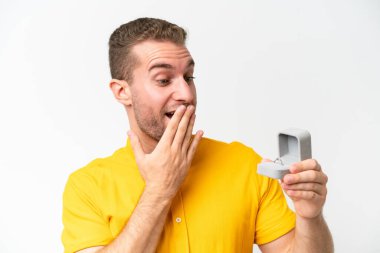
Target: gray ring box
point(294, 145)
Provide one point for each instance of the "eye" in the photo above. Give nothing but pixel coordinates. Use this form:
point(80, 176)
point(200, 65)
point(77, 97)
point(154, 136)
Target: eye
point(163, 82)
point(189, 79)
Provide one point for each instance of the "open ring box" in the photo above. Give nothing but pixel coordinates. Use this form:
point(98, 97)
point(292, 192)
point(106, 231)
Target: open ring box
point(294, 145)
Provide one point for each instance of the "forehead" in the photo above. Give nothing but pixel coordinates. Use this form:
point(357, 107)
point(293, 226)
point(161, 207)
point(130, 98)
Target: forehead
point(151, 52)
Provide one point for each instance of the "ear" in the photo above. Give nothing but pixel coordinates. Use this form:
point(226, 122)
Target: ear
point(121, 91)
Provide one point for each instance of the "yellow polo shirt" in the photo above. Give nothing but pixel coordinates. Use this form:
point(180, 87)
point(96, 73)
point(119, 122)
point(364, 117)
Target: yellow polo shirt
point(222, 206)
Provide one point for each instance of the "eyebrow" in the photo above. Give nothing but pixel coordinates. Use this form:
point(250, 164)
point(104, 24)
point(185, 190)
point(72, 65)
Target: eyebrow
point(168, 66)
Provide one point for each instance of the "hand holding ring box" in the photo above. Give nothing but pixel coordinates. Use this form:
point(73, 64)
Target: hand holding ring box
point(294, 146)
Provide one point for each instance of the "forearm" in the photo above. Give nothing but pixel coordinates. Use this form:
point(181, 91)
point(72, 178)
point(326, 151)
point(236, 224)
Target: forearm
point(312, 236)
point(143, 230)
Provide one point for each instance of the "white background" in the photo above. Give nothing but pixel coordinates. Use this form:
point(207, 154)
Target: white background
point(261, 67)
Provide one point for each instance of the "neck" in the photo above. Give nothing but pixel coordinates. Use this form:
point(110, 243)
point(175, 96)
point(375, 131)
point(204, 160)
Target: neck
point(147, 143)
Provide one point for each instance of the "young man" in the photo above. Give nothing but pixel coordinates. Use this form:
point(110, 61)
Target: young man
point(171, 191)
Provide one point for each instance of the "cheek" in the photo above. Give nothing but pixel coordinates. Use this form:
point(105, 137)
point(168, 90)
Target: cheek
point(194, 90)
point(157, 98)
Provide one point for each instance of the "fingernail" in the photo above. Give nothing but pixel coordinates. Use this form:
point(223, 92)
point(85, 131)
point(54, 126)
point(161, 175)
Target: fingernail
point(292, 168)
point(287, 179)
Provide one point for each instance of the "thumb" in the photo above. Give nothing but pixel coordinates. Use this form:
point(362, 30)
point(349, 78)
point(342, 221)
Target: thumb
point(136, 145)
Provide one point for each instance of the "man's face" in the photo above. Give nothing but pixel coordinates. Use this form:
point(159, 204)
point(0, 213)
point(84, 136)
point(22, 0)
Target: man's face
point(162, 81)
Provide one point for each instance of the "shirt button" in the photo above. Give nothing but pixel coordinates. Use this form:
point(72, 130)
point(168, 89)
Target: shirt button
point(178, 219)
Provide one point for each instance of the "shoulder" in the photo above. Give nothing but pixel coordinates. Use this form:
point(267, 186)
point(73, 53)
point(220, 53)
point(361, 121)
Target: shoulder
point(234, 162)
point(96, 170)
point(223, 156)
point(232, 150)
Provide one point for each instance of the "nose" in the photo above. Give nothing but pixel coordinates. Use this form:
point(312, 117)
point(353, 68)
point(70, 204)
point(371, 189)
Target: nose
point(184, 92)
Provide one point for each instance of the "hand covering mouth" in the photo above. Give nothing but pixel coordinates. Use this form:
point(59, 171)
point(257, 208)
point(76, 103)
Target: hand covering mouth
point(171, 113)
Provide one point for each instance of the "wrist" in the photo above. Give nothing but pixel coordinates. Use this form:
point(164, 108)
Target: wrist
point(157, 195)
point(315, 219)
point(305, 226)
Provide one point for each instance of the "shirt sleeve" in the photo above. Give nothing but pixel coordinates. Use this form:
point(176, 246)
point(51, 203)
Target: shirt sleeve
point(274, 218)
point(84, 225)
